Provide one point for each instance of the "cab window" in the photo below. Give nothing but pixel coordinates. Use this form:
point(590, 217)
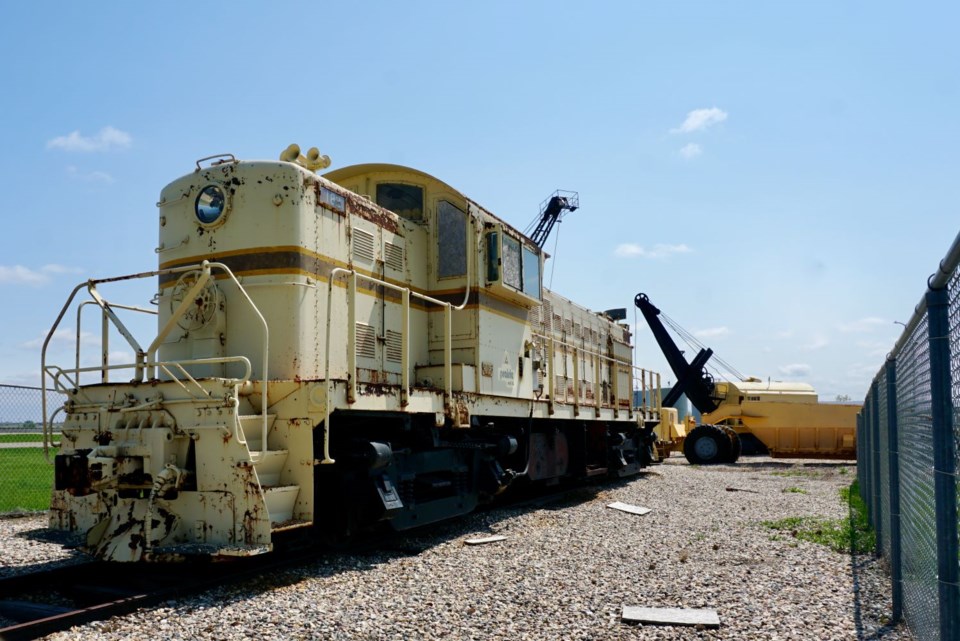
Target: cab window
point(402, 199)
point(512, 274)
point(531, 273)
point(451, 241)
point(512, 264)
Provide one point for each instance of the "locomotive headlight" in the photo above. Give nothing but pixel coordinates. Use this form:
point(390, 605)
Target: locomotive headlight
point(210, 204)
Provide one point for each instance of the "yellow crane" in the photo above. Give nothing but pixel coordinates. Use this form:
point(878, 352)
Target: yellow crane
point(784, 419)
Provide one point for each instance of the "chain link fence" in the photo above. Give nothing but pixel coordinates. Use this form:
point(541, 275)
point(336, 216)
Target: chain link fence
point(26, 474)
point(908, 437)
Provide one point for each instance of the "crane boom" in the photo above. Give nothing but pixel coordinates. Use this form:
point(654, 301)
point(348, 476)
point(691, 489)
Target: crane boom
point(692, 379)
point(550, 212)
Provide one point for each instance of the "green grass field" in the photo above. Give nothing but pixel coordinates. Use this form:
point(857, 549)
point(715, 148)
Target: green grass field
point(25, 480)
point(26, 438)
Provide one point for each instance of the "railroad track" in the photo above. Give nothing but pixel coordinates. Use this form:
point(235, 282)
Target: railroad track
point(46, 601)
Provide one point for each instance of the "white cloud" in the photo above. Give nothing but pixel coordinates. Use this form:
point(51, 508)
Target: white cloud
point(690, 150)
point(795, 369)
point(787, 333)
point(660, 250)
point(53, 268)
point(863, 325)
point(121, 357)
point(62, 336)
point(20, 275)
point(91, 176)
point(700, 119)
point(712, 332)
point(106, 139)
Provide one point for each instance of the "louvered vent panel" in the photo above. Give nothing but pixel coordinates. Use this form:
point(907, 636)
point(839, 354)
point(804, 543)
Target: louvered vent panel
point(362, 245)
point(547, 315)
point(394, 346)
point(560, 387)
point(557, 323)
point(366, 341)
point(533, 317)
point(393, 256)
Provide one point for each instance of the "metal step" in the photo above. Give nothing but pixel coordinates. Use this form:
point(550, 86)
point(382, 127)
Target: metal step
point(280, 501)
point(252, 427)
point(269, 464)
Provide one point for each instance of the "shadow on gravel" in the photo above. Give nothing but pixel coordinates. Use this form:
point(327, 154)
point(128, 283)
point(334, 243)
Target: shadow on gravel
point(858, 563)
point(43, 535)
point(362, 554)
point(367, 553)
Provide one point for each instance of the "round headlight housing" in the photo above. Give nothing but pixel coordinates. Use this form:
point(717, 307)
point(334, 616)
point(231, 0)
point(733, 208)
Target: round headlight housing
point(210, 204)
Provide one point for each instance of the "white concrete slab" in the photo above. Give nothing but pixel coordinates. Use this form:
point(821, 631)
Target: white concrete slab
point(670, 616)
point(631, 509)
point(487, 539)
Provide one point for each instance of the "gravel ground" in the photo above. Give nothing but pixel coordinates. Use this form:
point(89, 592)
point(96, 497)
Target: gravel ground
point(564, 572)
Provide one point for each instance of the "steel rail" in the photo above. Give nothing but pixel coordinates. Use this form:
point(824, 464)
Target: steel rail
point(99, 590)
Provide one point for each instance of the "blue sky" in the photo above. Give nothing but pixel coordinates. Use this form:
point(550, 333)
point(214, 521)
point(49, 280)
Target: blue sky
point(779, 177)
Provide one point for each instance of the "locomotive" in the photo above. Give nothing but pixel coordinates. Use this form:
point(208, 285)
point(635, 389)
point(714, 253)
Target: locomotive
point(363, 348)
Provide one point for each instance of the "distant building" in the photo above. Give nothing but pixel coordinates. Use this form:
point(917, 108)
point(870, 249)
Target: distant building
point(684, 406)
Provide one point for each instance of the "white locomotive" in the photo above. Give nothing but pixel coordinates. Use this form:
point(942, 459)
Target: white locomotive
point(332, 352)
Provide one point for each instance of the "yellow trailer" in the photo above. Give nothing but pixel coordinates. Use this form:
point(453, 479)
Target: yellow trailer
point(787, 418)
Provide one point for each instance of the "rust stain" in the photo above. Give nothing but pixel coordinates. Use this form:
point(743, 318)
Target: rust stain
point(377, 389)
point(361, 207)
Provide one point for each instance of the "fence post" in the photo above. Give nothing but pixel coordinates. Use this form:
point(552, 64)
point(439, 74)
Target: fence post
point(875, 455)
point(867, 458)
point(861, 477)
point(893, 467)
point(944, 464)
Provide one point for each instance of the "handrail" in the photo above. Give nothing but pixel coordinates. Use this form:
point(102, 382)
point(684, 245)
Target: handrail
point(552, 342)
point(205, 268)
point(406, 293)
point(146, 359)
point(55, 372)
point(651, 402)
point(104, 338)
point(48, 432)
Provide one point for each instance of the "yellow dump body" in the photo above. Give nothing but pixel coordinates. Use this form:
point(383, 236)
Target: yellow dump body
point(670, 432)
point(788, 419)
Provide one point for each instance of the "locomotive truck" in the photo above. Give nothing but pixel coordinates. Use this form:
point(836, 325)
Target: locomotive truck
point(360, 349)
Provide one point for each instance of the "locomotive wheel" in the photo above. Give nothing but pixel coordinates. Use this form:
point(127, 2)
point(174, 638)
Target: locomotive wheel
point(707, 445)
point(735, 445)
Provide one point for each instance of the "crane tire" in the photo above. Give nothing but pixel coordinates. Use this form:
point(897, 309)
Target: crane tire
point(707, 445)
point(735, 445)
